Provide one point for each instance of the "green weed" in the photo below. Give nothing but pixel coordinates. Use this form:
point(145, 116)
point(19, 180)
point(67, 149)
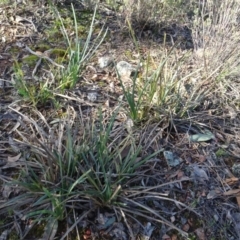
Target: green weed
point(35, 93)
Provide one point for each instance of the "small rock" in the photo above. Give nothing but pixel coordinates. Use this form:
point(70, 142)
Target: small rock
point(125, 68)
point(105, 61)
point(236, 169)
point(92, 96)
point(129, 125)
point(172, 159)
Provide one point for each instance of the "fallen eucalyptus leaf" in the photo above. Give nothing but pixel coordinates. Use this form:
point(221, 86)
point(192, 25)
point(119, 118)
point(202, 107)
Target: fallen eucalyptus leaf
point(199, 174)
point(200, 137)
point(214, 193)
point(6, 191)
point(15, 158)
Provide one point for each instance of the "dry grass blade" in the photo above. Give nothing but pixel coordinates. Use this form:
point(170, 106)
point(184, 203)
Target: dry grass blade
point(50, 230)
point(145, 214)
point(75, 224)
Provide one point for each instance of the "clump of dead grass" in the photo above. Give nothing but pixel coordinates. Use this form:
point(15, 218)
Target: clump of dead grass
point(216, 48)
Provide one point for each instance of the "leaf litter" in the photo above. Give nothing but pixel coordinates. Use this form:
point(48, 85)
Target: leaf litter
point(182, 179)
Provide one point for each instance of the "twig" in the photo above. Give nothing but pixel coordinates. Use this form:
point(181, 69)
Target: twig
point(129, 228)
point(42, 56)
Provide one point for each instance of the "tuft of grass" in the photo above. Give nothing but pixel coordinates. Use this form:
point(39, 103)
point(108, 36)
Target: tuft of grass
point(91, 168)
point(36, 93)
point(79, 51)
point(142, 13)
point(161, 89)
point(174, 89)
point(216, 41)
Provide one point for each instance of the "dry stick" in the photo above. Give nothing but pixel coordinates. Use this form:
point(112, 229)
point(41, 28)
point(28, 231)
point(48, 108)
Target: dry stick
point(159, 218)
point(77, 99)
point(42, 56)
point(129, 228)
point(19, 19)
point(36, 68)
